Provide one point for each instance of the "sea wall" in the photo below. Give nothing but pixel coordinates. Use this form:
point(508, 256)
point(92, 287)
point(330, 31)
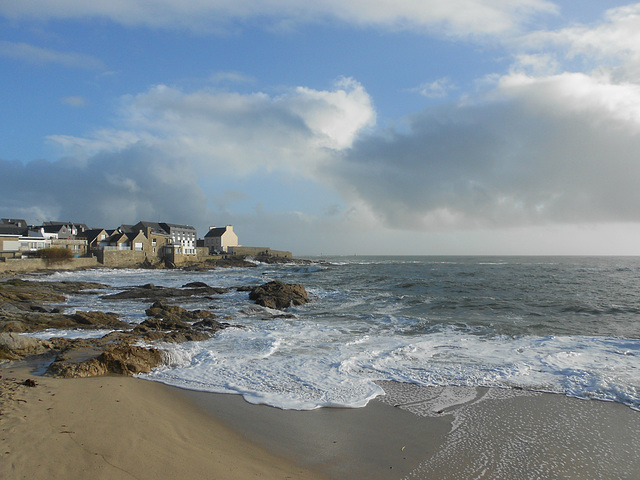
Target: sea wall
point(121, 258)
point(24, 265)
point(259, 251)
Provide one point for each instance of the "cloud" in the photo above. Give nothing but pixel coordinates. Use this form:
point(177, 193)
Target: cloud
point(173, 142)
point(238, 134)
point(134, 183)
point(557, 149)
point(231, 77)
point(437, 89)
point(41, 56)
point(461, 18)
point(75, 101)
point(612, 46)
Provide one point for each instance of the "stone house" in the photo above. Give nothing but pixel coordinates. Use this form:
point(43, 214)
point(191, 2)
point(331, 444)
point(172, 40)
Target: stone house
point(219, 239)
point(95, 237)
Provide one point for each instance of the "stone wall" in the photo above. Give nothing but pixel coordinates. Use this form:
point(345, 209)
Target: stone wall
point(121, 258)
point(23, 265)
point(257, 251)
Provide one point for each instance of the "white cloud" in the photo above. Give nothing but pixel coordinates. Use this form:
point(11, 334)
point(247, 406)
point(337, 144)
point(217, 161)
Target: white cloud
point(75, 101)
point(437, 89)
point(612, 46)
point(237, 134)
point(231, 77)
point(462, 17)
point(41, 56)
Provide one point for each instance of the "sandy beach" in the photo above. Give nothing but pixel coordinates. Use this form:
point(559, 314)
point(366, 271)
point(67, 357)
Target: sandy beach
point(122, 427)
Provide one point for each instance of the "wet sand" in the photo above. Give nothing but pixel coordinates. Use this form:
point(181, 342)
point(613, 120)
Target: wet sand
point(448, 433)
point(123, 428)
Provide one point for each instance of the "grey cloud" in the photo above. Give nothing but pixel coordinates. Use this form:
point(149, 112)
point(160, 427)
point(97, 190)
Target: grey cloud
point(496, 164)
point(113, 188)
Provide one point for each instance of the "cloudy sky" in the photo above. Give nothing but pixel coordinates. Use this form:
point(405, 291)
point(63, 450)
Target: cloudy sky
point(334, 127)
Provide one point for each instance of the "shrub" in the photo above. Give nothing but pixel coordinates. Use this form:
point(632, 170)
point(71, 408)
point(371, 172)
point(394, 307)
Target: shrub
point(55, 255)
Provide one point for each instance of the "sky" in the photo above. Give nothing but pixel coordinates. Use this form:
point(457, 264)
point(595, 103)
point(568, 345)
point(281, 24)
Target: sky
point(404, 127)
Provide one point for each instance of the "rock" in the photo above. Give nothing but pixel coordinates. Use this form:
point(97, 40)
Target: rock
point(279, 295)
point(129, 360)
point(152, 292)
point(172, 312)
point(116, 359)
point(99, 319)
point(14, 346)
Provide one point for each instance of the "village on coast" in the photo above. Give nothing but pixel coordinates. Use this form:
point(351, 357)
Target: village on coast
point(150, 244)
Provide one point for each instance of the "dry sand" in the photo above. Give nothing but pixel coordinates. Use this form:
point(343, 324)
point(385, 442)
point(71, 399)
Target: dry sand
point(118, 427)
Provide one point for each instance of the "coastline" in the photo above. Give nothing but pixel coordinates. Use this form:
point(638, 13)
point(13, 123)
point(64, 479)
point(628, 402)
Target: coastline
point(123, 428)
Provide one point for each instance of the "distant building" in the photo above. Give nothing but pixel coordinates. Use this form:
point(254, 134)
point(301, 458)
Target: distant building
point(219, 239)
point(64, 229)
point(16, 222)
point(182, 235)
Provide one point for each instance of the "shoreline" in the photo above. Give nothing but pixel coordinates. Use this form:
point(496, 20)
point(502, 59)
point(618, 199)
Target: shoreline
point(446, 433)
point(123, 427)
point(117, 427)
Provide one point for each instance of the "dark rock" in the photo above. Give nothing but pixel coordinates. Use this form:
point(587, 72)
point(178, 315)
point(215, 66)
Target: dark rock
point(279, 295)
point(196, 285)
point(152, 292)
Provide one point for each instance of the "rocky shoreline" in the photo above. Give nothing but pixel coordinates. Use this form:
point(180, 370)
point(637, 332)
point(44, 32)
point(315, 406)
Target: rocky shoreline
point(25, 308)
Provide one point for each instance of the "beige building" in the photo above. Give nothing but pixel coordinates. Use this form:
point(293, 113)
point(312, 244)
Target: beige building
point(219, 239)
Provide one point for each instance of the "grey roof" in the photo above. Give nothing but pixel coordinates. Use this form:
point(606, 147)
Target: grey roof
point(216, 232)
point(169, 226)
point(155, 227)
point(12, 230)
point(91, 234)
point(18, 222)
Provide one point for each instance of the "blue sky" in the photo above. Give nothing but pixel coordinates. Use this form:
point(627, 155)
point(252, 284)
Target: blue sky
point(352, 126)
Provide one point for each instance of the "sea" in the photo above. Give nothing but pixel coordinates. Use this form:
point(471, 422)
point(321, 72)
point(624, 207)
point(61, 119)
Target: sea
point(567, 325)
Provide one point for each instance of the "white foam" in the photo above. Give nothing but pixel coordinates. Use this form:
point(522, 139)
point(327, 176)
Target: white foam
point(71, 334)
point(303, 365)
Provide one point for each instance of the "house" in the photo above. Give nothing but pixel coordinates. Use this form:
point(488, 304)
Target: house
point(156, 236)
point(33, 239)
point(9, 242)
point(16, 222)
point(183, 235)
point(60, 229)
point(219, 239)
point(95, 237)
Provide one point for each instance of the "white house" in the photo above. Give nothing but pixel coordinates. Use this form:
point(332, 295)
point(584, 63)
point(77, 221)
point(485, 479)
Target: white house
point(219, 239)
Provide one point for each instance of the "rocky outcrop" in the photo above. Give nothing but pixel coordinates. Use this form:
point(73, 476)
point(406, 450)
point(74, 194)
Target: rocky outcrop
point(23, 309)
point(115, 359)
point(279, 295)
point(14, 346)
point(16, 320)
point(24, 293)
point(153, 292)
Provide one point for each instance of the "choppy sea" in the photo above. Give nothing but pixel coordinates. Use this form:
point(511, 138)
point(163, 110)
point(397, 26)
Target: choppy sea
point(568, 325)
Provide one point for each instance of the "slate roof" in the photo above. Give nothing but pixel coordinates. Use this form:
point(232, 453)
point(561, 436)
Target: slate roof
point(216, 232)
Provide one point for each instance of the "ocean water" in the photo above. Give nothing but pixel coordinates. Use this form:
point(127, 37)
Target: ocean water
point(568, 325)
